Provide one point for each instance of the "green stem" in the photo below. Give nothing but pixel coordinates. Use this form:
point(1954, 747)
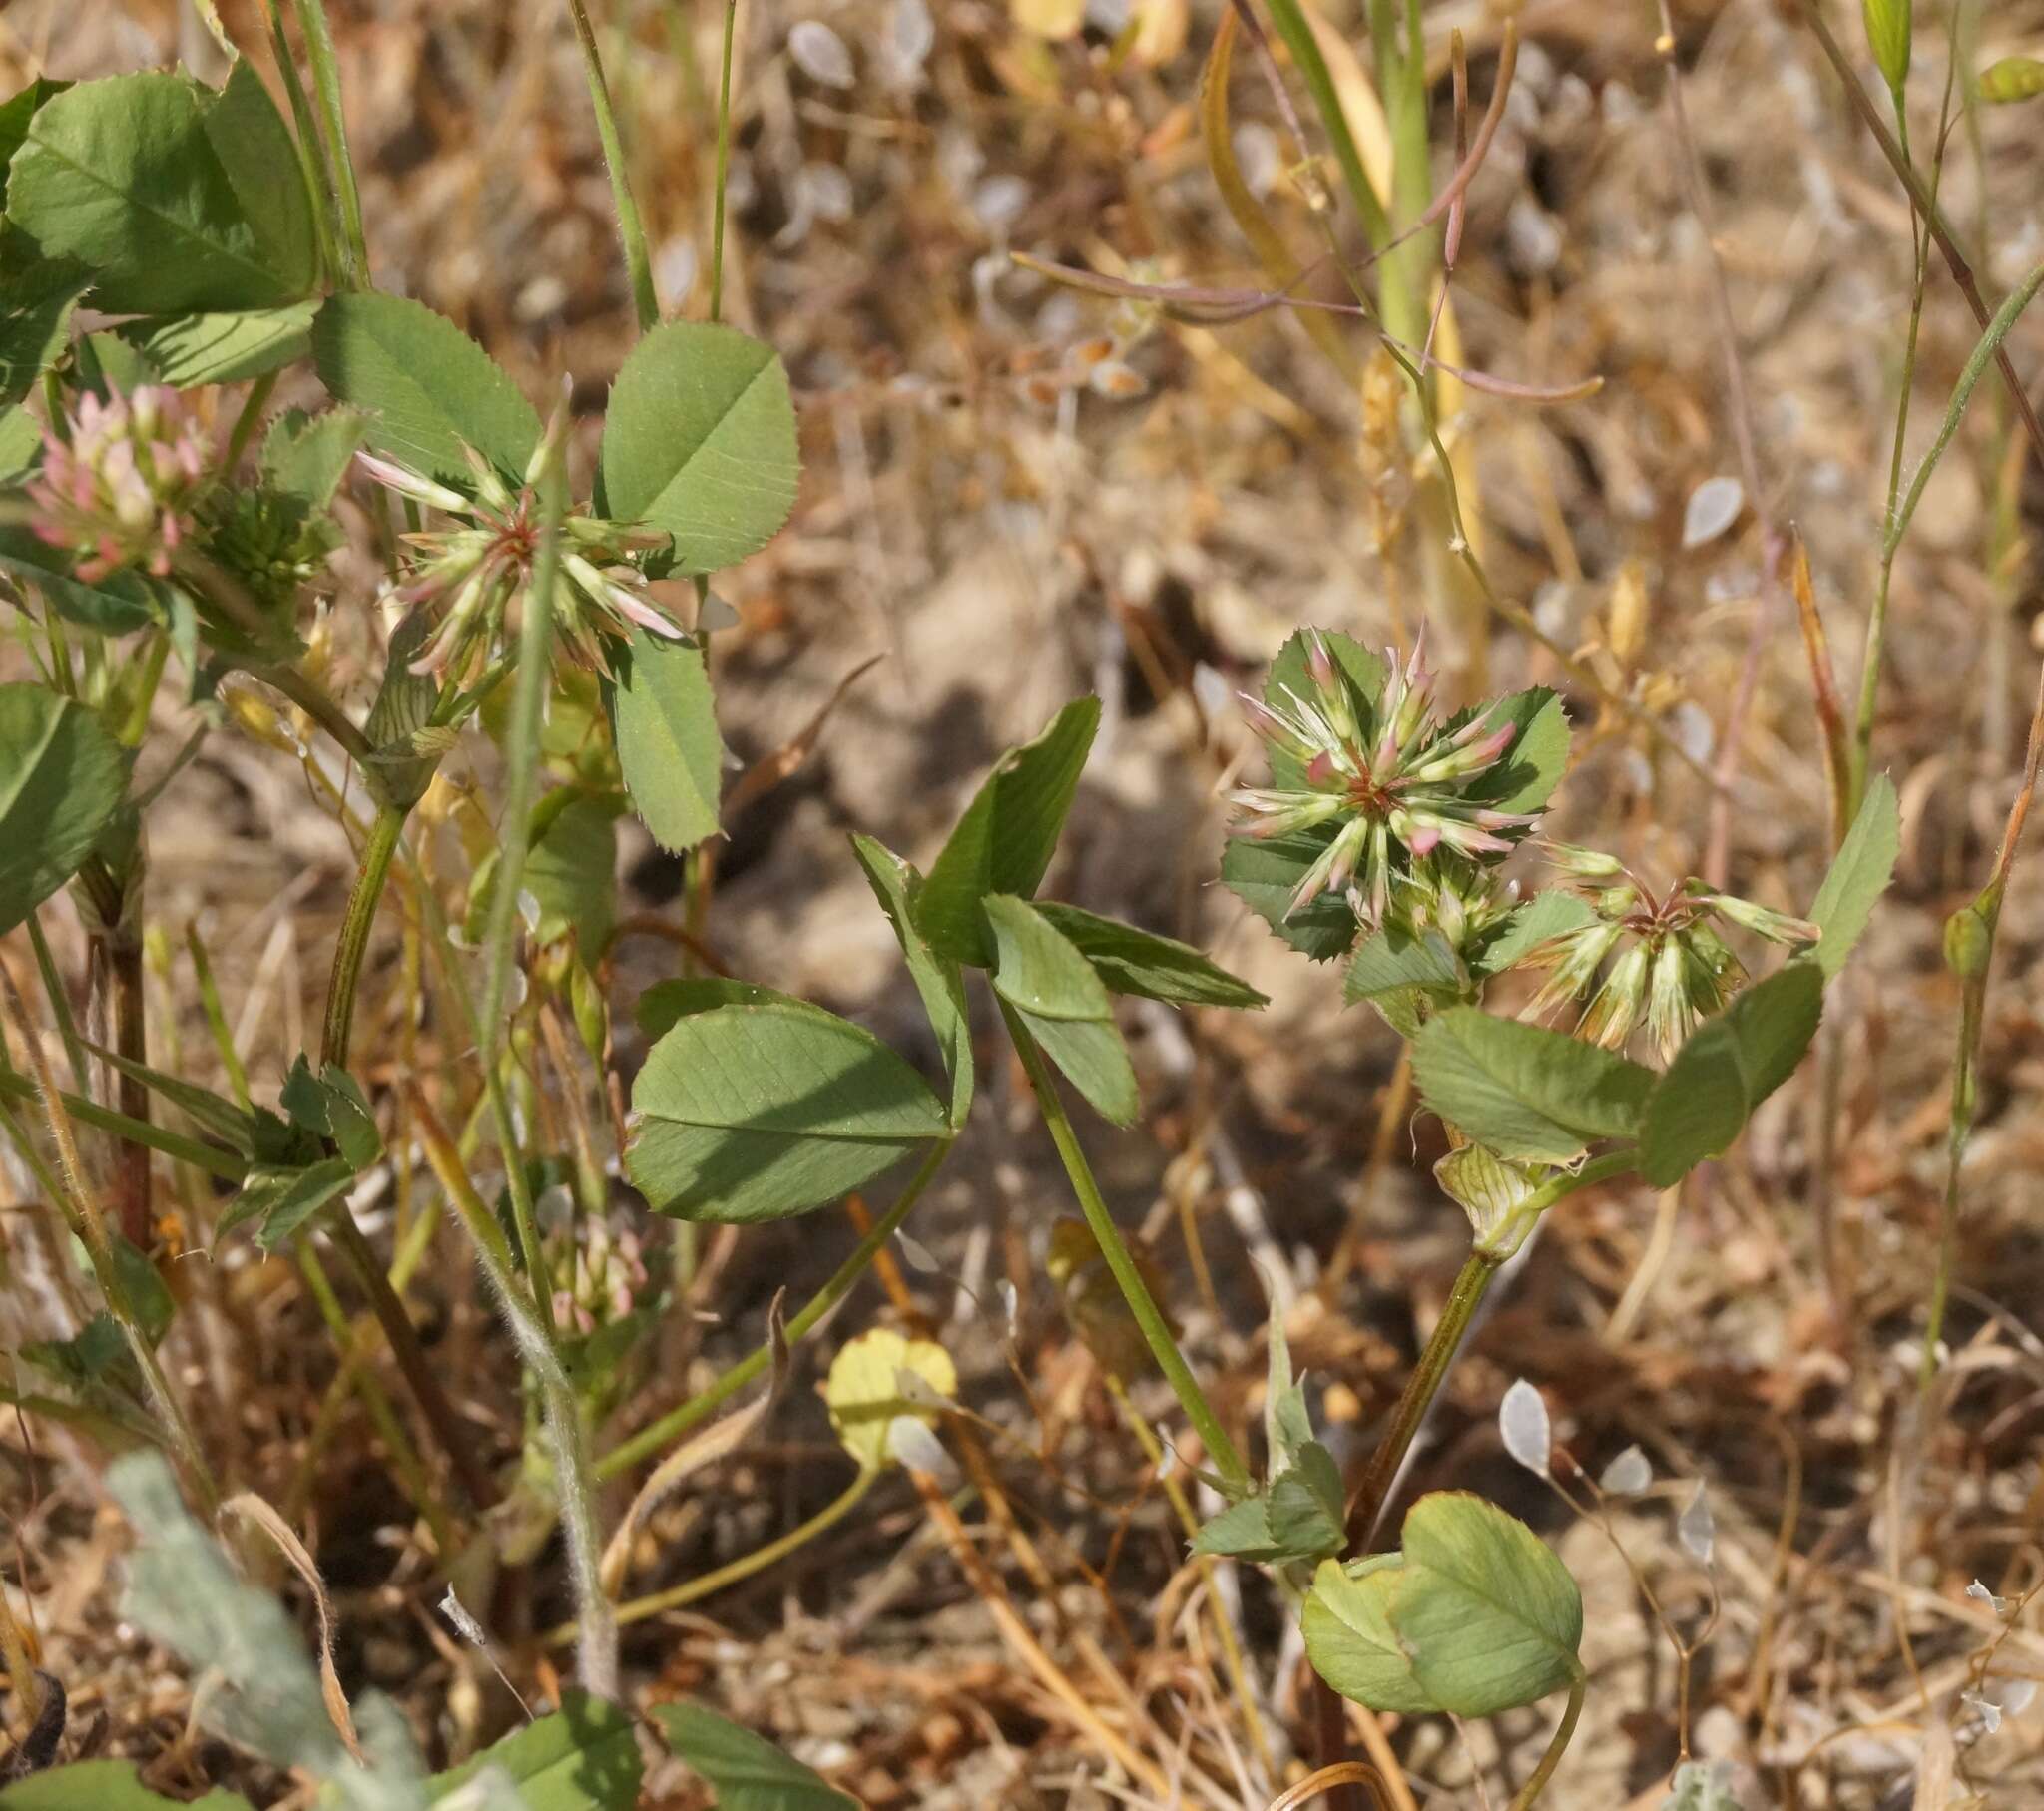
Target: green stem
point(1478, 1275)
point(595, 1621)
point(386, 830)
point(1156, 1331)
point(1533, 1788)
point(677, 1422)
point(313, 165)
point(1421, 1386)
point(631, 232)
point(521, 767)
point(731, 20)
point(757, 1560)
point(326, 85)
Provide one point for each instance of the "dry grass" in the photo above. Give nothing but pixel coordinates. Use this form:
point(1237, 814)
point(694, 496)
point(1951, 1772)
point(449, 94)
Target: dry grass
point(1001, 553)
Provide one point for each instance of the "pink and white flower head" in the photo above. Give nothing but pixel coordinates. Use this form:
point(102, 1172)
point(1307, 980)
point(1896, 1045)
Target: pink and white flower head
point(116, 489)
point(479, 566)
point(1671, 970)
point(1388, 771)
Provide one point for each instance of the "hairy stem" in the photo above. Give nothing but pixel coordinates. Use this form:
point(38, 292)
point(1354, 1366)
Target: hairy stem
point(386, 830)
point(573, 1478)
point(1121, 1263)
point(631, 232)
point(731, 21)
point(354, 251)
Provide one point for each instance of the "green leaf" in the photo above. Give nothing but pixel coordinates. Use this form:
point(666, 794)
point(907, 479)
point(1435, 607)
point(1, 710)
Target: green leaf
point(103, 1786)
point(1307, 1505)
point(112, 604)
point(1859, 875)
point(1546, 915)
point(21, 440)
point(147, 1292)
point(699, 440)
point(665, 723)
point(665, 1003)
point(304, 457)
point(1727, 1067)
point(213, 1114)
point(37, 297)
point(286, 1199)
point(1490, 1618)
point(585, 1757)
point(898, 886)
point(570, 868)
point(1005, 840)
point(332, 1103)
point(1137, 961)
point(1349, 1638)
point(2013, 79)
point(427, 388)
point(1698, 1108)
point(1530, 768)
point(1527, 1093)
point(1064, 1005)
point(195, 349)
point(747, 1772)
point(1264, 872)
point(1240, 1530)
point(62, 777)
point(1888, 24)
point(1391, 961)
point(15, 113)
point(1775, 1021)
point(757, 1109)
point(178, 198)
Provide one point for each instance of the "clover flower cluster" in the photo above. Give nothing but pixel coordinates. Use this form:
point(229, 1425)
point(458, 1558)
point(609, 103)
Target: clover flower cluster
point(118, 483)
point(1393, 775)
point(1671, 970)
point(598, 1275)
point(480, 566)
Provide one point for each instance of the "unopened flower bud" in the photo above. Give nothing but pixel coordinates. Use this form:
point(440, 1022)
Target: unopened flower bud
point(1968, 943)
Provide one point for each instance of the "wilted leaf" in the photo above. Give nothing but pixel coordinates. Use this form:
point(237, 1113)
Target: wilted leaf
point(864, 1392)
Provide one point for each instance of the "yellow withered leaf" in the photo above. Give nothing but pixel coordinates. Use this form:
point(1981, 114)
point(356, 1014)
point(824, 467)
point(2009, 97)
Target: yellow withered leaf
point(880, 1378)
